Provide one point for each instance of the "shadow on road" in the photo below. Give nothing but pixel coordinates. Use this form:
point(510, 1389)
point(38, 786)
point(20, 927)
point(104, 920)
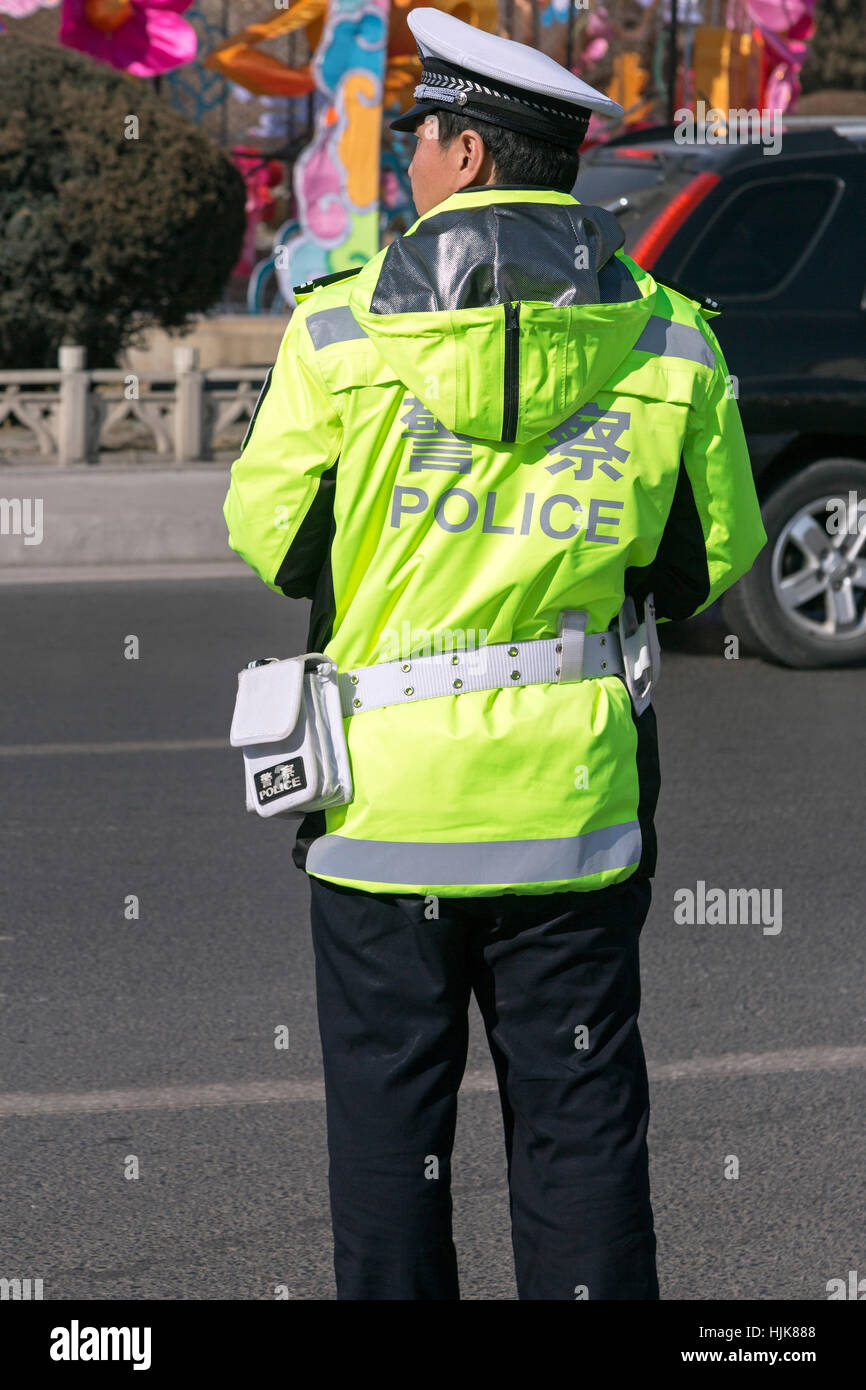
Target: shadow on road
point(704, 635)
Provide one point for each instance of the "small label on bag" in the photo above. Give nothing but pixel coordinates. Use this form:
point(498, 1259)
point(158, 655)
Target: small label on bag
point(280, 780)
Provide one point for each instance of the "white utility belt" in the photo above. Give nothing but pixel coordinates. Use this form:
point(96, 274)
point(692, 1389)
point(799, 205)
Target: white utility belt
point(288, 715)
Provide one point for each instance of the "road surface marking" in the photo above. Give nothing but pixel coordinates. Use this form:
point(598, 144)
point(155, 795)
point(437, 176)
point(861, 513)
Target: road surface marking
point(794, 1059)
point(66, 574)
point(166, 745)
point(218, 1094)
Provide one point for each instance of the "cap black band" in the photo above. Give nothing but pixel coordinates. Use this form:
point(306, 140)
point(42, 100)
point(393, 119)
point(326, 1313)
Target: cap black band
point(483, 98)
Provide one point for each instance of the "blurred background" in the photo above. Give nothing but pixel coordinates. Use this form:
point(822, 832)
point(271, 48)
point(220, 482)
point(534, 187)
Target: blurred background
point(169, 171)
point(296, 95)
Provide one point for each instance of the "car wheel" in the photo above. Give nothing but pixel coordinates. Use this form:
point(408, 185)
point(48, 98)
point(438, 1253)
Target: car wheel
point(803, 603)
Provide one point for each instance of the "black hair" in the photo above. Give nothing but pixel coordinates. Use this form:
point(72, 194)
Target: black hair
point(519, 159)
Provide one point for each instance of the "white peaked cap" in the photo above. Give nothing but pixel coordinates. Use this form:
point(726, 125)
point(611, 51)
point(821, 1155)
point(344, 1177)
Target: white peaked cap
point(442, 37)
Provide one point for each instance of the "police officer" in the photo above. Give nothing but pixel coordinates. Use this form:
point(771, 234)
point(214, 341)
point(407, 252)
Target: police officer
point(475, 455)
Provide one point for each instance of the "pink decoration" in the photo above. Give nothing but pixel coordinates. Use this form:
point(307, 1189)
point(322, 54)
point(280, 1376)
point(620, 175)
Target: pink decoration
point(327, 218)
point(785, 26)
point(779, 15)
point(143, 37)
point(595, 38)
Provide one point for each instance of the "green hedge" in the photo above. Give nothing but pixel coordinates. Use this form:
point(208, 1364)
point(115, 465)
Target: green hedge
point(100, 234)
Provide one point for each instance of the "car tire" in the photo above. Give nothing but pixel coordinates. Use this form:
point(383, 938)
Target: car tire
point(803, 603)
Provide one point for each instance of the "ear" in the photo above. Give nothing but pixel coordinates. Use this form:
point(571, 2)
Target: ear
point(473, 145)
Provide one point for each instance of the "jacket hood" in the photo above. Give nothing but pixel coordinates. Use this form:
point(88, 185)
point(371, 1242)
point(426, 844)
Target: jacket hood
point(504, 310)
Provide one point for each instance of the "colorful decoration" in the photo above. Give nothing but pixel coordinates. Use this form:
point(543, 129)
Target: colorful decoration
point(336, 178)
point(263, 291)
point(607, 48)
point(193, 90)
point(364, 60)
point(260, 176)
point(273, 119)
point(143, 37)
point(786, 27)
point(350, 195)
point(397, 210)
point(592, 31)
point(750, 57)
point(238, 57)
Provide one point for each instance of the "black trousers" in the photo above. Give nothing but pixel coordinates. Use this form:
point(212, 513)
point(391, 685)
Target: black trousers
point(557, 981)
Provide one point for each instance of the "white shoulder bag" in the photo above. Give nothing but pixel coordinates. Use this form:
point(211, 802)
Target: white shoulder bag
point(289, 723)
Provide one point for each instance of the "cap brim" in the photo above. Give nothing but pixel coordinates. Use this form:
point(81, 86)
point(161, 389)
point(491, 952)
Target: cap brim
point(416, 113)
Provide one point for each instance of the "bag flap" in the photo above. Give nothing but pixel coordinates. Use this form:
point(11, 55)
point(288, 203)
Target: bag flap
point(268, 702)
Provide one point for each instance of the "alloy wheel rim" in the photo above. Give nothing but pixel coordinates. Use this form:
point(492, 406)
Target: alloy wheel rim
point(818, 576)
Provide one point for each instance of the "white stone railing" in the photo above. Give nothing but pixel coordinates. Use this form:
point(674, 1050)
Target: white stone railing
point(73, 414)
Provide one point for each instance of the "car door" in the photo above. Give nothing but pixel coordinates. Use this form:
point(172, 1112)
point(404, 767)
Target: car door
point(783, 252)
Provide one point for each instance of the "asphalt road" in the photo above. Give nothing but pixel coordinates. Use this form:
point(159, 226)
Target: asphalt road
point(756, 1041)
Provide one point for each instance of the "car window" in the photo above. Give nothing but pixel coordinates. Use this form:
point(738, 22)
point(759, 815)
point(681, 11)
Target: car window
point(760, 236)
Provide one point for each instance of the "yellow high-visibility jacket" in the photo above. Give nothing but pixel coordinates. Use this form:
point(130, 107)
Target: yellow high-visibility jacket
point(499, 417)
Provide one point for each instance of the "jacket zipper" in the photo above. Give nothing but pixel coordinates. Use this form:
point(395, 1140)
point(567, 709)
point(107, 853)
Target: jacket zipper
point(512, 373)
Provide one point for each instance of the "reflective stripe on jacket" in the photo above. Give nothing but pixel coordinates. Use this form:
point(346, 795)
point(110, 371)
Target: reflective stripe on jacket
point(501, 416)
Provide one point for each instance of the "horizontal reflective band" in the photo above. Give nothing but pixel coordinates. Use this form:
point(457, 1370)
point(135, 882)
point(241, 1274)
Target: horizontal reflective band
point(479, 862)
point(333, 326)
point(668, 339)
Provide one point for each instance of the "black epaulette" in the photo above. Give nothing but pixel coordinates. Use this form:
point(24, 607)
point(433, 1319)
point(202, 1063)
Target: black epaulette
point(706, 301)
point(322, 280)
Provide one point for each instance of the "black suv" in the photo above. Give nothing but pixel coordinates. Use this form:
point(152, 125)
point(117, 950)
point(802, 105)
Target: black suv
point(780, 241)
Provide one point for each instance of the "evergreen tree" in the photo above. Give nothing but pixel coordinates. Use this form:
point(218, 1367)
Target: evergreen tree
point(837, 52)
point(115, 212)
